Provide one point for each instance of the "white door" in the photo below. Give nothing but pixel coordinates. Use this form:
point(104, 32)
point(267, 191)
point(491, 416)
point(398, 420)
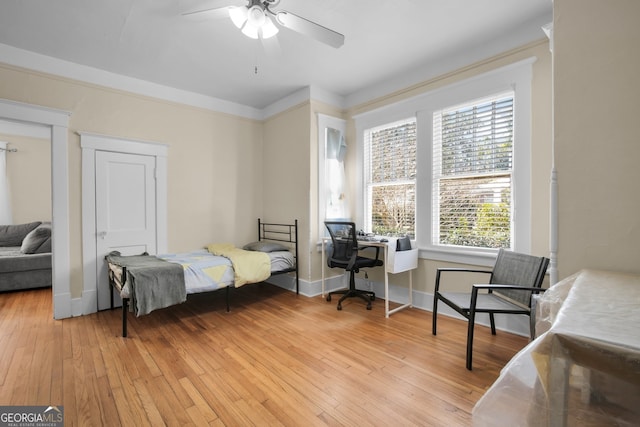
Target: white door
point(125, 211)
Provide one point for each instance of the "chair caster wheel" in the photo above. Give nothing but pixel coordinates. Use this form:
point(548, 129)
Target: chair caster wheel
point(328, 298)
point(368, 306)
point(339, 307)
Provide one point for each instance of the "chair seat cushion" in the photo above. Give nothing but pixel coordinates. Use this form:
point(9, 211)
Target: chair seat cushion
point(368, 262)
point(361, 262)
point(485, 302)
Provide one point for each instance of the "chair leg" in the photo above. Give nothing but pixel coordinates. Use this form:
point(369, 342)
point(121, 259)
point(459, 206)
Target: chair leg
point(434, 319)
point(532, 327)
point(366, 296)
point(471, 326)
point(493, 324)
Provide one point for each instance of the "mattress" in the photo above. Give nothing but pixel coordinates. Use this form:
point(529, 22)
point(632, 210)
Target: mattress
point(204, 272)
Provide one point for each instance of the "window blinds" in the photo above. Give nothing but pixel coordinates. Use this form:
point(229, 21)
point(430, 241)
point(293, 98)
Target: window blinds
point(390, 178)
point(472, 173)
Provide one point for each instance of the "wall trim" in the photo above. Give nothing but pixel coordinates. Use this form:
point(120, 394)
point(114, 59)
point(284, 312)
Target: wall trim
point(518, 325)
point(58, 123)
point(90, 143)
point(54, 66)
point(77, 306)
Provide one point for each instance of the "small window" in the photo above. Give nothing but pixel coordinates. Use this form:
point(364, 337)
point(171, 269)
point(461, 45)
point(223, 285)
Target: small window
point(390, 178)
point(333, 203)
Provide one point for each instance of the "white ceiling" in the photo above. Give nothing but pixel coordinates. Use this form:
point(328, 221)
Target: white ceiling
point(389, 44)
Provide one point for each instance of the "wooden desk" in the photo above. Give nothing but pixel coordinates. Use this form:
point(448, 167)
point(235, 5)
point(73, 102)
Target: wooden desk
point(393, 262)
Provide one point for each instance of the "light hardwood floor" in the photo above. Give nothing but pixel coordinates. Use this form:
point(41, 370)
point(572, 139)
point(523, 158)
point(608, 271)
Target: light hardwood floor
point(275, 359)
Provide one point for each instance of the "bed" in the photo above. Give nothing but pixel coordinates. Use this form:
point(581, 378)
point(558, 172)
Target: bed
point(150, 282)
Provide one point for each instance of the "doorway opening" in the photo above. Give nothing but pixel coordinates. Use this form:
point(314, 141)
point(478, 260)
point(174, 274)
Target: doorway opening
point(57, 122)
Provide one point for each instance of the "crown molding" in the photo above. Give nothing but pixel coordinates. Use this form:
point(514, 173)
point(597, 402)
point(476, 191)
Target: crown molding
point(49, 65)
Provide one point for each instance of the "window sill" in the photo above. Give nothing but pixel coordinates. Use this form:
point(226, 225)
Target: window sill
point(471, 257)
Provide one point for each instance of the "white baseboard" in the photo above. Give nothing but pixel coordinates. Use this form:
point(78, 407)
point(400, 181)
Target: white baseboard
point(515, 324)
point(77, 307)
point(89, 303)
point(62, 306)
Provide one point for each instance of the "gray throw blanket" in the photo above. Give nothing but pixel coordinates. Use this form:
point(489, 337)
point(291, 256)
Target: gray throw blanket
point(154, 282)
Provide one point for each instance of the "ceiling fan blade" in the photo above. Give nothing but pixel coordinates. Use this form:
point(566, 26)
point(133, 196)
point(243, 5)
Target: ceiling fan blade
point(209, 7)
point(309, 28)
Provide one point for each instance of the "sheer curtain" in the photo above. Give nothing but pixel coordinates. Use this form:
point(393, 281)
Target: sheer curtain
point(335, 199)
point(5, 200)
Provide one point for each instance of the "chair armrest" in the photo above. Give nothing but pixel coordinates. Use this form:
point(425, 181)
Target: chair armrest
point(377, 248)
point(463, 270)
point(510, 287)
point(476, 288)
point(456, 270)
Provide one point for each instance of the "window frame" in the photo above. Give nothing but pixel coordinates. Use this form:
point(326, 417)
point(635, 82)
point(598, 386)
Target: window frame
point(436, 145)
point(515, 77)
point(325, 121)
point(368, 181)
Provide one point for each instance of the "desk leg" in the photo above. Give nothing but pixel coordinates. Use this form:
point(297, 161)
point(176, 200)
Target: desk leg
point(322, 261)
point(387, 312)
point(386, 293)
point(410, 288)
point(386, 283)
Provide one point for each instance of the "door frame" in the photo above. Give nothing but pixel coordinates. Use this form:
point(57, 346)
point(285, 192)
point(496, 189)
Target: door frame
point(58, 122)
point(90, 143)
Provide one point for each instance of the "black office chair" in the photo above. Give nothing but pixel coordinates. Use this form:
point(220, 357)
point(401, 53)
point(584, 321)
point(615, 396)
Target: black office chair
point(513, 279)
point(344, 254)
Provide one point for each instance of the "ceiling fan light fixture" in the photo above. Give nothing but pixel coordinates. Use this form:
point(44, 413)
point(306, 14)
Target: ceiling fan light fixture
point(269, 29)
point(256, 20)
point(253, 21)
point(250, 31)
point(256, 16)
point(238, 15)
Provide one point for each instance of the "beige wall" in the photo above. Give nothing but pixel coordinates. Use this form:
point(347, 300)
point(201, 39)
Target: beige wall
point(29, 175)
point(285, 183)
point(597, 147)
point(214, 165)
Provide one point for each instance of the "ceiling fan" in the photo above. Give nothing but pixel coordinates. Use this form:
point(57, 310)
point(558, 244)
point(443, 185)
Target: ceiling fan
point(254, 19)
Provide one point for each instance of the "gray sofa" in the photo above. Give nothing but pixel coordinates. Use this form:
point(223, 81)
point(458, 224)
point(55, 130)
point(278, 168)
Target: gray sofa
point(25, 256)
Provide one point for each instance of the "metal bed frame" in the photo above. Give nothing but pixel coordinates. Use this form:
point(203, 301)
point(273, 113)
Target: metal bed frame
point(287, 233)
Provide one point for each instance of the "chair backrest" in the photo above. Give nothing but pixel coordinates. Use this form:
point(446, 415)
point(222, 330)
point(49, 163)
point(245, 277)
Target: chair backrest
point(343, 237)
point(512, 268)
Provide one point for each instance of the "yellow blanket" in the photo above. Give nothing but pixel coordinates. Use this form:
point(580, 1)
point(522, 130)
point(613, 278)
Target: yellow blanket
point(249, 266)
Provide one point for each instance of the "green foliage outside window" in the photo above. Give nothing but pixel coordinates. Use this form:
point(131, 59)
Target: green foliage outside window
point(392, 179)
point(472, 184)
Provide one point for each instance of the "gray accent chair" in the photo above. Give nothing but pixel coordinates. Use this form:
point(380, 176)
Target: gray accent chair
point(512, 281)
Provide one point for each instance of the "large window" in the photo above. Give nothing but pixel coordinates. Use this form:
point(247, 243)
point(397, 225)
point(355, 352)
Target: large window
point(471, 174)
point(452, 167)
point(390, 178)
